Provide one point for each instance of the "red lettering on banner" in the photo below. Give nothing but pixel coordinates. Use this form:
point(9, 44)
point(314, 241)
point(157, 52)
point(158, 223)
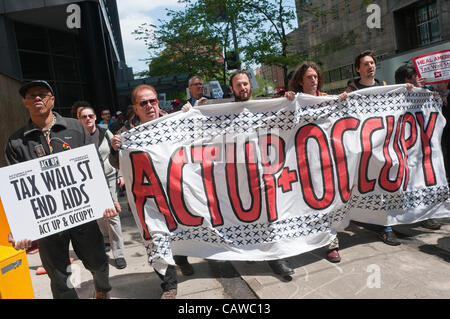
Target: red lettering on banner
point(409, 142)
point(384, 181)
point(426, 132)
point(251, 214)
point(287, 177)
point(337, 135)
point(175, 189)
point(146, 184)
point(368, 128)
point(206, 155)
point(312, 131)
point(271, 167)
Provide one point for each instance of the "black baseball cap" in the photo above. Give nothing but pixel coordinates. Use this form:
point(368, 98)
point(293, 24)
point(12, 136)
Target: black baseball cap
point(23, 90)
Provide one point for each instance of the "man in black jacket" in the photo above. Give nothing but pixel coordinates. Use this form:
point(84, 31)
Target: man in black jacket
point(48, 132)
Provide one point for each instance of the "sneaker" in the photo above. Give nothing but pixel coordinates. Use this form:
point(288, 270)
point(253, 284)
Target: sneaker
point(101, 295)
point(186, 269)
point(107, 247)
point(432, 224)
point(121, 263)
point(333, 256)
point(389, 238)
point(40, 271)
point(169, 294)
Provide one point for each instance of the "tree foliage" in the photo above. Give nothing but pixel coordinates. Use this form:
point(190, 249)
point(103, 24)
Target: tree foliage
point(190, 40)
point(177, 46)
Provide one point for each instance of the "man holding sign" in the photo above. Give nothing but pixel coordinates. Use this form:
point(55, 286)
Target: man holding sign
point(46, 133)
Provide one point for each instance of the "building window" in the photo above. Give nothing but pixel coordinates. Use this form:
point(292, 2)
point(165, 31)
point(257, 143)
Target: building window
point(417, 25)
point(53, 56)
point(427, 18)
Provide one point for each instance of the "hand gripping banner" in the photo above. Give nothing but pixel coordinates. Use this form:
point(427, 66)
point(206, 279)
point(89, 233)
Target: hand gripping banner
point(268, 179)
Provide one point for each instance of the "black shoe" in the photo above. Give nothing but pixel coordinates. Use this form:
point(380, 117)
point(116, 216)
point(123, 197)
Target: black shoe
point(281, 267)
point(389, 238)
point(120, 263)
point(432, 224)
point(107, 247)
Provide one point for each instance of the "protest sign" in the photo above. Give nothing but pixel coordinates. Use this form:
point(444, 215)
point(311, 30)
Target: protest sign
point(269, 179)
point(434, 67)
point(54, 193)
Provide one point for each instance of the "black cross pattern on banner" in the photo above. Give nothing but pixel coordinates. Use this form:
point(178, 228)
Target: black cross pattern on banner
point(257, 233)
point(191, 129)
point(301, 226)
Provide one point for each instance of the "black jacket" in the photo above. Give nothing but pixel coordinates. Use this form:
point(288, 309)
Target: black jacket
point(29, 142)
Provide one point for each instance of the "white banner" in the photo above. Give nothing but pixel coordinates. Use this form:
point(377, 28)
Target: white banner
point(434, 67)
point(269, 179)
point(50, 194)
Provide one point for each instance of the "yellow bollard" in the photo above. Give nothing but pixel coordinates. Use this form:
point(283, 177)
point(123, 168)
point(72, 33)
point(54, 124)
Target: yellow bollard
point(4, 227)
point(15, 280)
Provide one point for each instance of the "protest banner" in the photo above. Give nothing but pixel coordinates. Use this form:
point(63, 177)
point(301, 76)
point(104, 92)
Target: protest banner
point(268, 179)
point(50, 194)
point(434, 67)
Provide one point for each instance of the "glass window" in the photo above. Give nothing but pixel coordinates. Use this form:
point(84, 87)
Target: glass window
point(326, 77)
point(347, 72)
point(435, 30)
point(68, 93)
point(427, 21)
point(57, 60)
point(61, 43)
point(335, 75)
point(66, 69)
point(35, 65)
point(31, 37)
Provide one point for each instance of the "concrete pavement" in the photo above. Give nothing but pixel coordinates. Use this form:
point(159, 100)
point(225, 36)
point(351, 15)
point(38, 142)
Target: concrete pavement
point(370, 269)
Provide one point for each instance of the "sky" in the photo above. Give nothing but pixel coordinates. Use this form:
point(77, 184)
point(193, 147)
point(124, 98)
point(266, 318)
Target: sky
point(133, 13)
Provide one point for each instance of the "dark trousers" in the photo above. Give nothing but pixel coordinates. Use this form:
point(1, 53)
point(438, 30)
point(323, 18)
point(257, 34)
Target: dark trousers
point(180, 260)
point(169, 280)
point(87, 242)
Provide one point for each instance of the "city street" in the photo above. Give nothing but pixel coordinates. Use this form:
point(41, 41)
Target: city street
point(369, 269)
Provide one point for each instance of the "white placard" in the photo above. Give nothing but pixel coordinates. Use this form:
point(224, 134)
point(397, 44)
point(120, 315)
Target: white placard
point(54, 193)
point(434, 67)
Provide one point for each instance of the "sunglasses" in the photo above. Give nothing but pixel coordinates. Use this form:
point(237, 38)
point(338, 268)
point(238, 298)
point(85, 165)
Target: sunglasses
point(85, 116)
point(151, 101)
point(41, 96)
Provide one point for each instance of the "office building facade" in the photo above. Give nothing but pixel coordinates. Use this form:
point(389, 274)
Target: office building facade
point(75, 45)
point(407, 28)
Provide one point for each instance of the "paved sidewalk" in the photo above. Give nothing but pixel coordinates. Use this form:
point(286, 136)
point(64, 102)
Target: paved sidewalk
point(370, 269)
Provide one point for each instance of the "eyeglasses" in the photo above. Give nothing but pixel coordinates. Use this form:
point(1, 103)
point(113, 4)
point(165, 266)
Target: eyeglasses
point(41, 96)
point(197, 84)
point(151, 101)
point(85, 116)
